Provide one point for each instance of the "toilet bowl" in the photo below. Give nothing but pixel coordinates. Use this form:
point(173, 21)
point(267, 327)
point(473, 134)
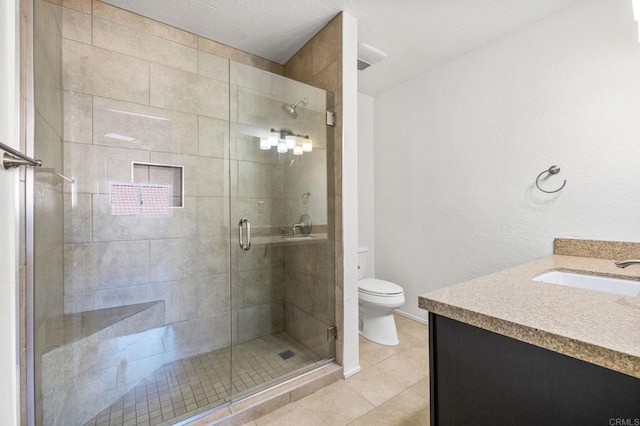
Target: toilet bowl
point(376, 301)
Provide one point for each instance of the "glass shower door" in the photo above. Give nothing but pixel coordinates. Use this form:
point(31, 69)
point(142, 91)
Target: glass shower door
point(131, 316)
point(282, 274)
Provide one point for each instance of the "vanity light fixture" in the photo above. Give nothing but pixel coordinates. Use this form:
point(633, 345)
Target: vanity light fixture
point(274, 137)
point(265, 145)
point(307, 144)
point(290, 141)
point(285, 140)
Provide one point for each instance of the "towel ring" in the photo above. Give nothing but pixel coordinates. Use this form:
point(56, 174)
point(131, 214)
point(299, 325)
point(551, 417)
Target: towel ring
point(553, 170)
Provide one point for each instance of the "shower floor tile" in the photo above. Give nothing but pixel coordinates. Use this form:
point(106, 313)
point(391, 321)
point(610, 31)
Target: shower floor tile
point(189, 385)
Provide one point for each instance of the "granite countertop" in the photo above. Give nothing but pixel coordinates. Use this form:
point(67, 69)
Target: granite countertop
point(597, 327)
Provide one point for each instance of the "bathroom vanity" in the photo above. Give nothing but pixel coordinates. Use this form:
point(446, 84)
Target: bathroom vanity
point(505, 349)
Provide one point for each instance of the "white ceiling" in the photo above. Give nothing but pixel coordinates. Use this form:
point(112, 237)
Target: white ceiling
point(416, 34)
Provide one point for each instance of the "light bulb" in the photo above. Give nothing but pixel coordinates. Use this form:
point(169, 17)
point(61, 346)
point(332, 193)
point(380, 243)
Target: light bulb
point(307, 145)
point(265, 144)
point(290, 140)
point(282, 148)
point(297, 150)
point(273, 138)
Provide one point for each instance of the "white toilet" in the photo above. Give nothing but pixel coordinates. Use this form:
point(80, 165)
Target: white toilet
point(376, 301)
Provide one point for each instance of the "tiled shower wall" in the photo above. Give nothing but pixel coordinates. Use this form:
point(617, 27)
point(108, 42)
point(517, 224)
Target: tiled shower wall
point(168, 90)
point(319, 63)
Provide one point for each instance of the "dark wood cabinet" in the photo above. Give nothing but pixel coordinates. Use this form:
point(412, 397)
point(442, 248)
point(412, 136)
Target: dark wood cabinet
point(482, 378)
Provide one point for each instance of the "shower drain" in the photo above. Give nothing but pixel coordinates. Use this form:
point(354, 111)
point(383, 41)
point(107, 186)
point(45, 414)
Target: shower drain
point(287, 354)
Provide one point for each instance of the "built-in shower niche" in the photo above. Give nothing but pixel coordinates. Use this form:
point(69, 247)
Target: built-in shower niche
point(161, 174)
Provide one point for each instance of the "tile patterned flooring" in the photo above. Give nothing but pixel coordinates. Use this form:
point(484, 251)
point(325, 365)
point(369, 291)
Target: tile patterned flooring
point(392, 388)
point(192, 384)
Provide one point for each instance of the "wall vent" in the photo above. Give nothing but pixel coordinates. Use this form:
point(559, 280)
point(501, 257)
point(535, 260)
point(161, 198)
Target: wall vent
point(368, 55)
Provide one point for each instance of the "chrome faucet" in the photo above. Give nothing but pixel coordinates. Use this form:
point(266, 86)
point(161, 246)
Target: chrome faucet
point(296, 226)
point(625, 263)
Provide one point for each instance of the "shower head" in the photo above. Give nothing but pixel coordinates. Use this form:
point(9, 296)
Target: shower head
point(291, 109)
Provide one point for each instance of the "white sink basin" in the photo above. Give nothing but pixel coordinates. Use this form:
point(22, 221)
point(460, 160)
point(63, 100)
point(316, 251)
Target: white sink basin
point(591, 282)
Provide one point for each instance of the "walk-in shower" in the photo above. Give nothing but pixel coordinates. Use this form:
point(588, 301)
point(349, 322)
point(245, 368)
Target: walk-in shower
point(148, 306)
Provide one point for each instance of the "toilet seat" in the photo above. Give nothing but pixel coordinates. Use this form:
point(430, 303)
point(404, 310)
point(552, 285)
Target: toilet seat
point(380, 288)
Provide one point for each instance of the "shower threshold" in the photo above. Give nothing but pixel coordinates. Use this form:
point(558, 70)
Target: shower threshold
point(184, 388)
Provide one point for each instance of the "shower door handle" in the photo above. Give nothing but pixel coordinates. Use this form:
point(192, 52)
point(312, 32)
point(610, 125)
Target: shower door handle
point(244, 221)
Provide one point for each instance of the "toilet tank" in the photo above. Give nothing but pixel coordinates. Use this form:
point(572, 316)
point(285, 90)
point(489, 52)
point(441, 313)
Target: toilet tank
point(363, 252)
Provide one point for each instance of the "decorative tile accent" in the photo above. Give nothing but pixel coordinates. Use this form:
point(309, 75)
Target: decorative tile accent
point(125, 199)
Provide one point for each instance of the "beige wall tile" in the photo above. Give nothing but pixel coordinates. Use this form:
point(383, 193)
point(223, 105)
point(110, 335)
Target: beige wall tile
point(203, 176)
point(48, 296)
point(229, 52)
point(182, 91)
point(132, 20)
point(213, 137)
point(196, 336)
point(311, 332)
point(94, 166)
point(250, 77)
point(327, 78)
point(213, 66)
point(178, 259)
point(180, 223)
point(245, 144)
point(47, 29)
point(269, 213)
point(251, 288)
point(257, 180)
point(83, 6)
point(139, 44)
point(215, 48)
point(260, 320)
point(104, 73)
point(154, 129)
point(213, 216)
point(47, 90)
point(77, 218)
point(76, 26)
point(260, 257)
point(105, 265)
point(300, 66)
point(326, 46)
point(277, 68)
point(213, 295)
point(78, 117)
